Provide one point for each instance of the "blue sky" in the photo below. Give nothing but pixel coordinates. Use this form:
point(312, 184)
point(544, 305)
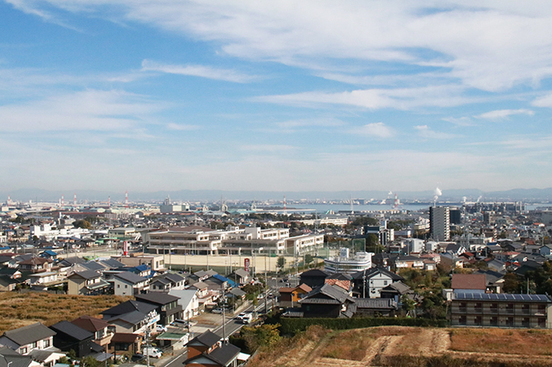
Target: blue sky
point(251, 95)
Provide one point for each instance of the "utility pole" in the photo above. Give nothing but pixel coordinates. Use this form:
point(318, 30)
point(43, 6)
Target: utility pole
point(147, 345)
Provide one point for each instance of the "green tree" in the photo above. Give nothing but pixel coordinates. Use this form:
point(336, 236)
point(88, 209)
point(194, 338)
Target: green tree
point(308, 259)
point(281, 262)
point(89, 361)
point(81, 223)
point(260, 336)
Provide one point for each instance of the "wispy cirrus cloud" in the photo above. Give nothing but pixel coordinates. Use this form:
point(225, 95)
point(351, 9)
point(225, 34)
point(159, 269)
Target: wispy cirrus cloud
point(426, 132)
point(311, 122)
point(198, 71)
point(375, 129)
point(398, 98)
point(267, 148)
point(503, 114)
point(182, 127)
point(84, 110)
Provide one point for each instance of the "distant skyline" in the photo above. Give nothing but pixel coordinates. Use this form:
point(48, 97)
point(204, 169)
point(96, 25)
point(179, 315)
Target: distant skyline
point(335, 96)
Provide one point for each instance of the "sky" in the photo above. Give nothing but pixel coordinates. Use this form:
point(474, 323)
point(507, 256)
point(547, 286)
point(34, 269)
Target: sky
point(151, 95)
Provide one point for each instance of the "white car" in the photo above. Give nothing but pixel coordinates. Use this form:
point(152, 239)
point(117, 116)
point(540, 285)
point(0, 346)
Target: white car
point(160, 328)
point(152, 352)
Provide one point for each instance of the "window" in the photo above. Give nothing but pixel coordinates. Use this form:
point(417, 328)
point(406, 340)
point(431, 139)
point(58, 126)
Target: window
point(23, 350)
point(33, 344)
point(118, 286)
point(385, 282)
point(46, 343)
point(126, 286)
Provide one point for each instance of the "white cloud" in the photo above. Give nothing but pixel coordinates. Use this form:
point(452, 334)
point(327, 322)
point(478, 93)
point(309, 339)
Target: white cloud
point(489, 45)
point(181, 127)
point(320, 122)
point(545, 101)
point(399, 98)
point(502, 114)
point(274, 148)
point(199, 71)
point(85, 110)
point(377, 129)
point(427, 133)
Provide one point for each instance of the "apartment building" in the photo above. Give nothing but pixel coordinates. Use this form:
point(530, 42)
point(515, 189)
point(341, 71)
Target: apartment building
point(501, 310)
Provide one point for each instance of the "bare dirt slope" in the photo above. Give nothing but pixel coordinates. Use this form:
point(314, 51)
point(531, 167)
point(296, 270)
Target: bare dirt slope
point(404, 346)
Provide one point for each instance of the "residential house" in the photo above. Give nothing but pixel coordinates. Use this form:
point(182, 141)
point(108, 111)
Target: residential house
point(313, 278)
point(241, 276)
point(28, 338)
point(72, 337)
point(325, 301)
point(103, 331)
point(407, 261)
point(369, 283)
point(207, 350)
point(87, 282)
point(188, 300)
point(35, 264)
point(289, 297)
point(342, 280)
point(128, 284)
point(501, 310)
point(167, 281)
point(387, 307)
point(125, 343)
point(13, 359)
point(132, 317)
point(167, 306)
point(469, 283)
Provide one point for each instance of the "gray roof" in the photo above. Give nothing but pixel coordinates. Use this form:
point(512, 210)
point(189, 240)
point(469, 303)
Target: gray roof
point(224, 355)
point(112, 263)
point(13, 359)
point(130, 277)
point(158, 298)
point(376, 303)
point(173, 277)
point(399, 286)
point(93, 265)
point(127, 307)
point(241, 273)
point(28, 334)
point(72, 330)
point(374, 271)
point(86, 274)
point(208, 338)
point(333, 294)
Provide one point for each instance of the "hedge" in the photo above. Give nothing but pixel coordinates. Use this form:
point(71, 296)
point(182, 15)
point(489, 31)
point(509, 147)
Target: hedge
point(294, 325)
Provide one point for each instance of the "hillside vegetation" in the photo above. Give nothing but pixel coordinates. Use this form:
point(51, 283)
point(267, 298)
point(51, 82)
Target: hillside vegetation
point(20, 309)
point(410, 347)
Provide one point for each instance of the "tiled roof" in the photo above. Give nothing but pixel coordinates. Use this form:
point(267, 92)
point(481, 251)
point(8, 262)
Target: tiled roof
point(469, 281)
point(30, 333)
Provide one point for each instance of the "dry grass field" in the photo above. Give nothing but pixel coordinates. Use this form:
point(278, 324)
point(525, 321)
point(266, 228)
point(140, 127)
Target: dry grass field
point(412, 347)
point(20, 309)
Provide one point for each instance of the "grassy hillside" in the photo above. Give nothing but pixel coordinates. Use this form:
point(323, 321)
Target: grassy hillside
point(20, 309)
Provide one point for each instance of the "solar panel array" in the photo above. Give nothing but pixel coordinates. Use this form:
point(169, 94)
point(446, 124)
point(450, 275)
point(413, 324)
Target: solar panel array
point(503, 297)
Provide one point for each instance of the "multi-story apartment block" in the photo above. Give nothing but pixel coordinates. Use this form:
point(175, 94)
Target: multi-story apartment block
point(439, 223)
point(501, 310)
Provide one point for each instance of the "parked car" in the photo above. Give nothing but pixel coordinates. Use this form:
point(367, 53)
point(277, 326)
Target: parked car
point(152, 352)
point(137, 357)
point(216, 310)
point(241, 316)
point(180, 323)
point(160, 328)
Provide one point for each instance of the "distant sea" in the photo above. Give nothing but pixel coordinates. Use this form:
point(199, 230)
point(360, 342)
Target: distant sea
point(323, 208)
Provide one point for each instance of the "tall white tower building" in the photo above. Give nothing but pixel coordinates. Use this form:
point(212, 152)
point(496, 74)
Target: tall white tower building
point(439, 223)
